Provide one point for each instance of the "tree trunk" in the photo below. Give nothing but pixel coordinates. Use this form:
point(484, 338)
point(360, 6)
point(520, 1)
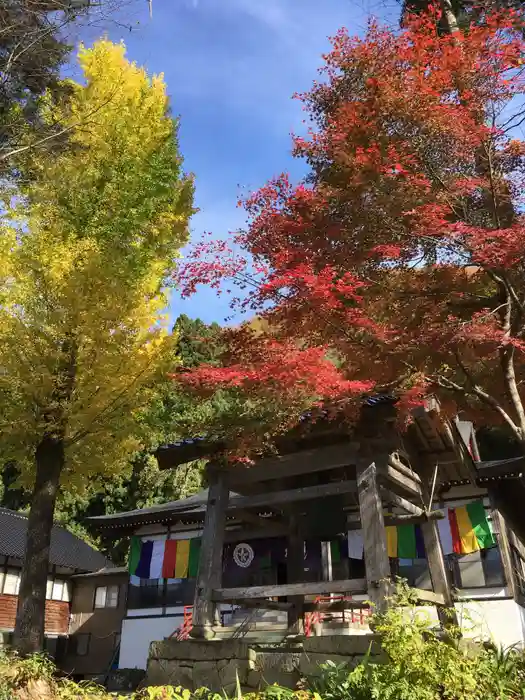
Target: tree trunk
point(29, 630)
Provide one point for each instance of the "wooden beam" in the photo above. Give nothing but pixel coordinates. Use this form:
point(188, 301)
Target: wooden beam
point(374, 535)
point(438, 573)
point(401, 502)
point(354, 523)
point(303, 462)
point(241, 533)
point(279, 498)
point(259, 603)
point(437, 565)
point(398, 481)
point(460, 450)
point(290, 589)
point(516, 543)
point(395, 462)
point(432, 433)
point(504, 548)
point(419, 435)
point(336, 606)
point(428, 596)
point(414, 519)
point(254, 519)
point(209, 575)
point(514, 469)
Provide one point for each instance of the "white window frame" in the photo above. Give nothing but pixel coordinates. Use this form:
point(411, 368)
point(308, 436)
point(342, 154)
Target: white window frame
point(12, 573)
point(57, 592)
point(109, 597)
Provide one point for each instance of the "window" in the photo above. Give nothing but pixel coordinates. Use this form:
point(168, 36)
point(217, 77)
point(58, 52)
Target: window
point(106, 597)
point(6, 639)
point(179, 591)
point(57, 590)
point(12, 582)
point(416, 572)
point(149, 593)
point(479, 569)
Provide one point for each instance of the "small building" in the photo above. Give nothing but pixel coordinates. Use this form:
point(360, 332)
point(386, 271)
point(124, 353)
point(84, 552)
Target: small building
point(68, 556)
point(300, 542)
point(98, 607)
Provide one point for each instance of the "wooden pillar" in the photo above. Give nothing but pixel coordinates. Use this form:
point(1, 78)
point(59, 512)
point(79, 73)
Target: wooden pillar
point(500, 527)
point(210, 563)
point(438, 572)
point(436, 561)
point(295, 570)
point(374, 535)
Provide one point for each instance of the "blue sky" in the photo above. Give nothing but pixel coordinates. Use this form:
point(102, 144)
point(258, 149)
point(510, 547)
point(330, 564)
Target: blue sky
point(231, 68)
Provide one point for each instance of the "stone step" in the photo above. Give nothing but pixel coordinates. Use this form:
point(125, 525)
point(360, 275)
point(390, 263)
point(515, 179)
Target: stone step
point(259, 624)
point(266, 634)
point(267, 615)
point(256, 638)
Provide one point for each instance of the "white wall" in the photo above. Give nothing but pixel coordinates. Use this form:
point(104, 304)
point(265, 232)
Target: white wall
point(498, 620)
point(137, 635)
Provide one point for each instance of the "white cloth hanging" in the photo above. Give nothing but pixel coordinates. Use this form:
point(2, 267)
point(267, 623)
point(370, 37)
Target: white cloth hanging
point(445, 534)
point(356, 544)
point(157, 557)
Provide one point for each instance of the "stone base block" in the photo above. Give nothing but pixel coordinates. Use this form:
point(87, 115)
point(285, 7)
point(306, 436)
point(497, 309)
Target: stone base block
point(222, 665)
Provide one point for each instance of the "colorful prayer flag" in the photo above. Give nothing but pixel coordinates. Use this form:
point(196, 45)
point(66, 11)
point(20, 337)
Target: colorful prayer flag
point(134, 554)
point(195, 552)
point(454, 531)
point(420, 544)
point(143, 567)
point(335, 552)
point(157, 558)
point(170, 556)
point(470, 527)
point(405, 542)
point(466, 529)
point(164, 558)
point(391, 541)
point(183, 556)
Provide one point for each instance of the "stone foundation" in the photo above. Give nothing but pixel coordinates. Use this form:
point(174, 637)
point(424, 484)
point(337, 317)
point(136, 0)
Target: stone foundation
point(217, 664)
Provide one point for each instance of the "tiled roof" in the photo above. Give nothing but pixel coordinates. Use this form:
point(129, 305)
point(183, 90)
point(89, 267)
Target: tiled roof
point(190, 449)
point(193, 506)
point(66, 549)
point(106, 571)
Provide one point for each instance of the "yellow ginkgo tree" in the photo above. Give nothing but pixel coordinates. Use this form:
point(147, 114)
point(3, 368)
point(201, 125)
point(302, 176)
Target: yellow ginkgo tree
point(89, 240)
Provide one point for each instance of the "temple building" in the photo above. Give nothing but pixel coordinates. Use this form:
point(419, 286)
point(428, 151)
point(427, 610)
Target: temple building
point(303, 543)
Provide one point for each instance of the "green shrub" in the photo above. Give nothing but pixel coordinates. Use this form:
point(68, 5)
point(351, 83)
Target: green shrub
point(423, 664)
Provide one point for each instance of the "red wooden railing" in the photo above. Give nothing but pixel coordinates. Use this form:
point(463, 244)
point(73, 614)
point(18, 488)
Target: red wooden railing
point(357, 614)
point(183, 632)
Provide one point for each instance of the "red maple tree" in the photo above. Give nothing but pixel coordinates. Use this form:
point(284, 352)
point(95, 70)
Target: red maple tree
point(399, 264)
